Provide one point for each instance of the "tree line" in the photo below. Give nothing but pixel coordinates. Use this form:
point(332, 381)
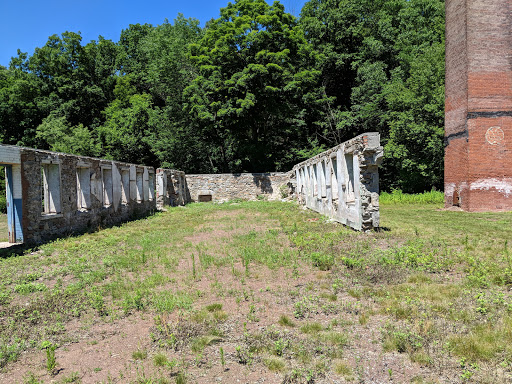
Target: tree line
point(254, 90)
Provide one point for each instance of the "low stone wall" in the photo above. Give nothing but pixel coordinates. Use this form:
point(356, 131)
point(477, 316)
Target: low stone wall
point(343, 182)
point(229, 186)
point(55, 194)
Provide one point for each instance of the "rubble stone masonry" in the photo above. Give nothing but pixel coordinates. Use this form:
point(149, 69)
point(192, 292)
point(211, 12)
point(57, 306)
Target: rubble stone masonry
point(229, 186)
point(56, 194)
point(51, 194)
point(343, 182)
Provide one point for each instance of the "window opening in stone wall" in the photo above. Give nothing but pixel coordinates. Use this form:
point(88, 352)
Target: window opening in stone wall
point(306, 180)
point(151, 180)
point(139, 181)
point(205, 198)
point(107, 187)
point(50, 185)
point(349, 160)
point(315, 180)
point(334, 178)
point(83, 188)
point(125, 186)
point(323, 179)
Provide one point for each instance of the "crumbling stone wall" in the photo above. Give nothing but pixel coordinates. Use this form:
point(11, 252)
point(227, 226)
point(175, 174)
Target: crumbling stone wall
point(247, 186)
point(110, 192)
point(58, 194)
point(171, 188)
point(54, 194)
point(343, 182)
point(478, 105)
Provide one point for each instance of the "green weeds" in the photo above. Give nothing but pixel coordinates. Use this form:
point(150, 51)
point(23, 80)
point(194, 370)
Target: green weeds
point(435, 282)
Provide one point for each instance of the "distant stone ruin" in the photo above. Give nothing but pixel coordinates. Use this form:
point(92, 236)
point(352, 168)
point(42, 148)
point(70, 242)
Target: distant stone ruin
point(229, 186)
point(343, 182)
point(53, 194)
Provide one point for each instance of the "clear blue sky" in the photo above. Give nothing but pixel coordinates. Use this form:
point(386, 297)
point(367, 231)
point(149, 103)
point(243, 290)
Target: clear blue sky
point(26, 24)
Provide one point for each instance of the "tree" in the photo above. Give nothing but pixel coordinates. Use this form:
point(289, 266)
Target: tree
point(255, 77)
point(128, 125)
point(383, 70)
point(56, 132)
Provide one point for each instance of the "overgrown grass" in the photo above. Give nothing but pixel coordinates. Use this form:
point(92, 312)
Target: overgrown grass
point(398, 197)
point(437, 283)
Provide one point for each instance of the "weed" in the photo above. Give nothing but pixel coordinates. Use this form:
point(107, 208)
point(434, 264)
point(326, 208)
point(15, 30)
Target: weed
point(74, 377)
point(31, 378)
point(27, 288)
point(274, 364)
point(311, 328)
point(322, 261)
point(139, 354)
point(214, 307)
point(168, 301)
point(243, 355)
point(305, 306)
point(181, 378)
point(342, 368)
point(160, 360)
point(200, 343)
point(280, 346)
point(222, 360)
point(285, 321)
point(51, 361)
point(363, 318)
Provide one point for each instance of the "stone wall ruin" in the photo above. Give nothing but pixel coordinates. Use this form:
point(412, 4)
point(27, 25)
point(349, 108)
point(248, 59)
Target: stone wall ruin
point(230, 186)
point(343, 182)
point(54, 194)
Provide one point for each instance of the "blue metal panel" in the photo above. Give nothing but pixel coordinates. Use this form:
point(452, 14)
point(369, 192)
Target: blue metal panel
point(17, 220)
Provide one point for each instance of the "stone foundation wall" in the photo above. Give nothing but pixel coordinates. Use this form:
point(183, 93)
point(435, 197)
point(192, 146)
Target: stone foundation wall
point(110, 192)
point(247, 186)
point(343, 182)
point(56, 194)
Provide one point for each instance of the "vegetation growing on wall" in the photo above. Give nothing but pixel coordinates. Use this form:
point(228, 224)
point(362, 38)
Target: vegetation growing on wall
point(254, 90)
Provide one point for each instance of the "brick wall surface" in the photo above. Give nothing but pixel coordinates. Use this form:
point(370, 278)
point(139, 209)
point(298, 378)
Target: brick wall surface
point(478, 108)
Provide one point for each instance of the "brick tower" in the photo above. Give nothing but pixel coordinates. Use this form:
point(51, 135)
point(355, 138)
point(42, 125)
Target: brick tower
point(478, 106)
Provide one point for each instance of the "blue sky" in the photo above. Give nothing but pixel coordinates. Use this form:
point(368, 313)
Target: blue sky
point(26, 24)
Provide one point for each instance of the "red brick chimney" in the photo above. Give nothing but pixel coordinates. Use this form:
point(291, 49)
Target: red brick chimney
point(478, 106)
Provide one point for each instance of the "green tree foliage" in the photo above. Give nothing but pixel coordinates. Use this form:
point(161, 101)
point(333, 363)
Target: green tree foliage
point(383, 68)
point(256, 75)
point(254, 90)
point(56, 132)
point(128, 125)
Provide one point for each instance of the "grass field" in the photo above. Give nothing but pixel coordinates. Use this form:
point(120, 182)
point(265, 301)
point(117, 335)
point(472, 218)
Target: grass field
point(264, 290)
point(4, 236)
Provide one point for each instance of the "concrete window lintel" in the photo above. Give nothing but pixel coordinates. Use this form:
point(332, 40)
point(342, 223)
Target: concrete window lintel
point(51, 161)
point(49, 216)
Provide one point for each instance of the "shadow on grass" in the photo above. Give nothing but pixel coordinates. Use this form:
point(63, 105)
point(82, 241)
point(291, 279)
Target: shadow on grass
point(17, 249)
